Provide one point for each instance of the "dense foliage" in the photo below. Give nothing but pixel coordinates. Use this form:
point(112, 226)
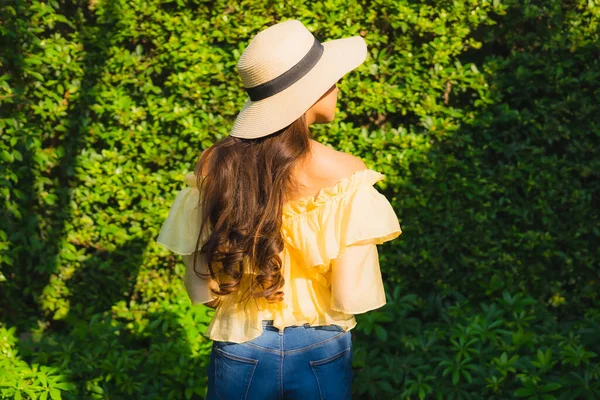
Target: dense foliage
point(483, 115)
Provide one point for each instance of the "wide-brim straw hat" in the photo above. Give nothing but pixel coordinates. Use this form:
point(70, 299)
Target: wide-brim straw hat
point(285, 70)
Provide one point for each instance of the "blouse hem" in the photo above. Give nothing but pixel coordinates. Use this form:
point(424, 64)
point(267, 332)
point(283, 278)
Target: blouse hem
point(363, 310)
point(377, 239)
point(173, 249)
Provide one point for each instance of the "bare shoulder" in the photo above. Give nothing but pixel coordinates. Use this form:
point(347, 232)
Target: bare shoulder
point(334, 163)
point(352, 163)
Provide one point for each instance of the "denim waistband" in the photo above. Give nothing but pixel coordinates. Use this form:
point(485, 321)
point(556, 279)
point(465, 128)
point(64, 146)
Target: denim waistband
point(268, 324)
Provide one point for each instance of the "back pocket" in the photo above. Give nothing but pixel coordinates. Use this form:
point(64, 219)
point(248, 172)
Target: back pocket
point(334, 375)
point(233, 375)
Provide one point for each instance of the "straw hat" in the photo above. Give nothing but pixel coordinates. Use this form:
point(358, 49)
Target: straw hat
point(285, 70)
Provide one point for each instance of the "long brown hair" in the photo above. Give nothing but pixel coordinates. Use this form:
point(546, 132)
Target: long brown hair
point(242, 199)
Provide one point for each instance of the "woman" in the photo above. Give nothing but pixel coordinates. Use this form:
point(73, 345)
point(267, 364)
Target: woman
point(279, 232)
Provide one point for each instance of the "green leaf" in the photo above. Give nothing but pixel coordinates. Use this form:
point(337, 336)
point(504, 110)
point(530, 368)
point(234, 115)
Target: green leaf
point(381, 332)
point(523, 392)
point(55, 394)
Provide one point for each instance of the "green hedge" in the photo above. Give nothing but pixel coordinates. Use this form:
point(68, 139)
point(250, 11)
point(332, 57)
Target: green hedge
point(483, 115)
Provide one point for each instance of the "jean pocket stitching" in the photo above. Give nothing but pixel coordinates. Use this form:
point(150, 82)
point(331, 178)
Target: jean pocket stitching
point(236, 357)
point(314, 365)
point(240, 359)
point(329, 359)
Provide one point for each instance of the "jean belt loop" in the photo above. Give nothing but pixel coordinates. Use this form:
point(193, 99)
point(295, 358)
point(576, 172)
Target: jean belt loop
point(267, 322)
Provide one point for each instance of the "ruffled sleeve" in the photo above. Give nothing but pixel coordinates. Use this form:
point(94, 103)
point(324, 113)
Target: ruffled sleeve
point(180, 230)
point(356, 282)
point(350, 213)
point(337, 234)
point(179, 234)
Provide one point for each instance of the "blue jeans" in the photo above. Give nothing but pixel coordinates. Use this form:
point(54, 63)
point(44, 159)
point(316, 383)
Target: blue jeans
point(300, 362)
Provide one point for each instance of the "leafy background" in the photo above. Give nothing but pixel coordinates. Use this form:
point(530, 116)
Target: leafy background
point(483, 115)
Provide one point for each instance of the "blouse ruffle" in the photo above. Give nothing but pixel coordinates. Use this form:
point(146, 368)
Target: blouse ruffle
point(350, 213)
point(318, 231)
point(181, 228)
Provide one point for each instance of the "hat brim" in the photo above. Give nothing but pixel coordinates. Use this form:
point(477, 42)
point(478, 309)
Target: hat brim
point(263, 117)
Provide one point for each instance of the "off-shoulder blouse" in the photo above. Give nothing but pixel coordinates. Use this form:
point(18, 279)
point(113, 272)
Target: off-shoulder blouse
point(329, 262)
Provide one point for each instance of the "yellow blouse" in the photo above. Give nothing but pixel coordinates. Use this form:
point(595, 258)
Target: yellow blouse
point(330, 261)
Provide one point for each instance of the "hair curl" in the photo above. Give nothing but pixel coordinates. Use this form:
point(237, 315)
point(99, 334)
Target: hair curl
point(242, 198)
